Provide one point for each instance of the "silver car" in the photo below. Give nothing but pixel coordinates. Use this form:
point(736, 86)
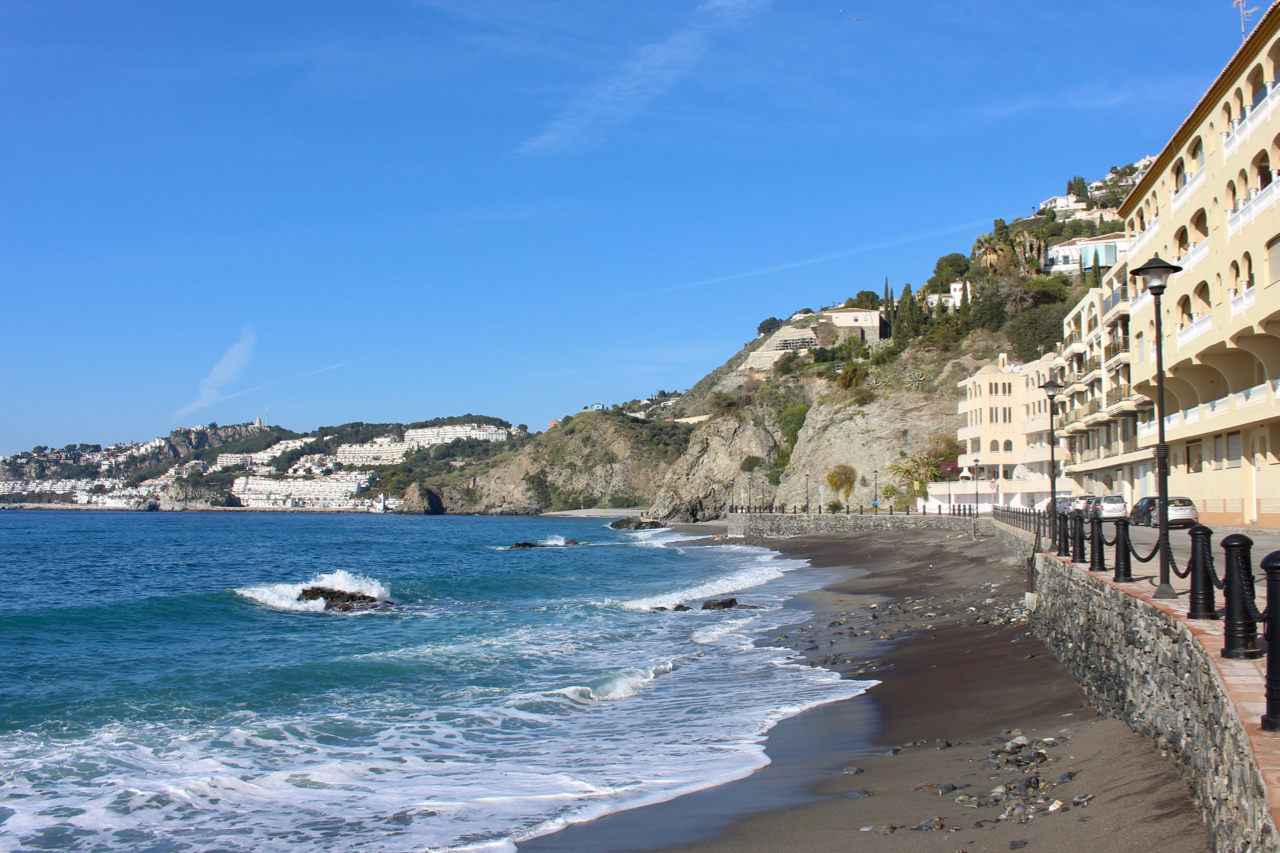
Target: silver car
point(1182, 513)
point(1112, 506)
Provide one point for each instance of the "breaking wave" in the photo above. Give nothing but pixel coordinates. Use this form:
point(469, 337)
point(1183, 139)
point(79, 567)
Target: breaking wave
point(284, 596)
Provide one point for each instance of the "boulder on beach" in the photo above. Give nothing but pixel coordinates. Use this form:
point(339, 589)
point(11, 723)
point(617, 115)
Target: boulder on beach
point(636, 522)
point(338, 599)
point(720, 604)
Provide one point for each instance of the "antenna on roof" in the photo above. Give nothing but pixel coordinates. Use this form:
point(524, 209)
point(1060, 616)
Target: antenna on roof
point(1245, 15)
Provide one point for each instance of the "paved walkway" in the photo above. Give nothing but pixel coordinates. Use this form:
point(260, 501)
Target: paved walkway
point(1244, 680)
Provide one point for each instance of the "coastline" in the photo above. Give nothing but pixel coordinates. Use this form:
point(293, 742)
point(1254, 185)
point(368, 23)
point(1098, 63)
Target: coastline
point(949, 681)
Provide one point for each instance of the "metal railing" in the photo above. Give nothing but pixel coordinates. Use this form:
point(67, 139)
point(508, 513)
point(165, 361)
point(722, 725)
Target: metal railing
point(1116, 348)
point(956, 510)
point(1234, 577)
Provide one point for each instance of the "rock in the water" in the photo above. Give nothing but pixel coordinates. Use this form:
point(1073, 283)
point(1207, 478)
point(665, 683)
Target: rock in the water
point(680, 608)
point(572, 542)
point(519, 545)
point(337, 599)
point(720, 604)
point(636, 522)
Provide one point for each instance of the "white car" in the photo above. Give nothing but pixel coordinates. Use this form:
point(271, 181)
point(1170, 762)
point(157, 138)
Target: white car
point(1182, 513)
point(1112, 506)
point(1078, 504)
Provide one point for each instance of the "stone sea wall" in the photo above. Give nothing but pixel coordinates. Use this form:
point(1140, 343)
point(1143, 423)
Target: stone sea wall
point(1145, 667)
point(779, 526)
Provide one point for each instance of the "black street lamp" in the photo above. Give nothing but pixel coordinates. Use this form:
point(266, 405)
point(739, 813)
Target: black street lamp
point(976, 502)
point(1051, 389)
point(1155, 273)
point(875, 490)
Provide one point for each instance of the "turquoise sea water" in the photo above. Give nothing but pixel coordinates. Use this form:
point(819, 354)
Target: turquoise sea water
point(162, 690)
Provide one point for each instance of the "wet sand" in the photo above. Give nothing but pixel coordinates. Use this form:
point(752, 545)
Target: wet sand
point(963, 683)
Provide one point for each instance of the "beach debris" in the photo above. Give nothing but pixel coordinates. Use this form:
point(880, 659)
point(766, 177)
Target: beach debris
point(943, 744)
point(933, 824)
point(1017, 845)
point(853, 770)
point(925, 786)
point(720, 604)
point(867, 829)
point(860, 793)
point(889, 829)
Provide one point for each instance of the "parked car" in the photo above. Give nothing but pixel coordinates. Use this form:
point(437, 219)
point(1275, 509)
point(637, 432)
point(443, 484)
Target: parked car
point(1111, 506)
point(1182, 513)
point(1078, 504)
point(1062, 506)
point(1143, 512)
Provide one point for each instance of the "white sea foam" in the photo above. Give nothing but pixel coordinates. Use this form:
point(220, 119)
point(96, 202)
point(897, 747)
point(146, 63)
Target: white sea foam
point(656, 707)
point(284, 596)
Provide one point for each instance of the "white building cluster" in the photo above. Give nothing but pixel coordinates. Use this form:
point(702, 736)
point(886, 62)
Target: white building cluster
point(335, 491)
point(262, 457)
point(427, 436)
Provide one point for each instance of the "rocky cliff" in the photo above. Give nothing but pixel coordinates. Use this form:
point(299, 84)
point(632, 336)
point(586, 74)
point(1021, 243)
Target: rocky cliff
point(592, 459)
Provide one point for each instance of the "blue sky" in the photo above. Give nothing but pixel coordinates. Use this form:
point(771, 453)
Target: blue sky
point(398, 209)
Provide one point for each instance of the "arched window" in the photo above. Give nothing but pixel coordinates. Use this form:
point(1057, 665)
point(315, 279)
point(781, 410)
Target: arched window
point(1179, 175)
point(1197, 154)
point(1199, 226)
point(1008, 447)
point(995, 446)
point(1262, 170)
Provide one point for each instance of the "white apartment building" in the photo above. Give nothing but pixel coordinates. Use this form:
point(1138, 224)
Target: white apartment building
point(1106, 250)
point(336, 491)
point(428, 436)
point(384, 450)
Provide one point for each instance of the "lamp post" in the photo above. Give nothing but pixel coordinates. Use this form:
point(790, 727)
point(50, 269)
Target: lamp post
point(806, 492)
point(1155, 273)
point(1051, 389)
point(875, 490)
point(976, 504)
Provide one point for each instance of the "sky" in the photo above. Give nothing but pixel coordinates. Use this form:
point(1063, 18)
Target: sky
point(393, 210)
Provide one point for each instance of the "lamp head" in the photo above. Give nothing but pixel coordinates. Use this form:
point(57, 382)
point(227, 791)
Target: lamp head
point(1052, 387)
point(1155, 274)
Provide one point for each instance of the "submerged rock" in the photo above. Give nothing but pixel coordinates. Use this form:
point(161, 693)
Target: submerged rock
point(338, 599)
point(519, 545)
point(720, 604)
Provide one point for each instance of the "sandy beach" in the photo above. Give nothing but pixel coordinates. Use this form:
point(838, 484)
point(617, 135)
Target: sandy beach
point(976, 739)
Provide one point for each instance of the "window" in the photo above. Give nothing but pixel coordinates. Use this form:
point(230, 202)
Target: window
point(1217, 452)
point(995, 446)
point(1235, 449)
point(1008, 447)
point(1138, 347)
point(1273, 261)
point(1195, 460)
point(1008, 414)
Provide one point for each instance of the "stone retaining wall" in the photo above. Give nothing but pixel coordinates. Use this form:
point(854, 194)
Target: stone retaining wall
point(1144, 666)
point(779, 526)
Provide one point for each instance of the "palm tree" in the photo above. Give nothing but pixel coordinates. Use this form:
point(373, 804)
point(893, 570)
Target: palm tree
point(987, 250)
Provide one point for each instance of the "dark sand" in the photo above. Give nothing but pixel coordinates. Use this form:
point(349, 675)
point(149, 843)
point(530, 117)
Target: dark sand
point(946, 676)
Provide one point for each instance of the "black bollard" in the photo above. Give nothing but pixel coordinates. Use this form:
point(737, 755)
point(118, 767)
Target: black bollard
point(1077, 539)
point(1124, 570)
point(1097, 557)
point(890, 509)
point(1201, 598)
point(1271, 719)
point(1239, 631)
point(1064, 536)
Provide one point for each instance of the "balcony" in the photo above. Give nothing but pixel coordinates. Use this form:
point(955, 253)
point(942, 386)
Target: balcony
point(1091, 365)
point(1184, 192)
point(1193, 255)
point(1117, 396)
point(1247, 209)
point(1115, 349)
point(1148, 428)
point(1140, 301)
point(1118, 299)
point(1143, 237)
point(1251, 396)
point(1073, 339)
point(1251, 118)
point(1213, 408)
point(1036, 454)
point(1242, 301)
point(1189, 332)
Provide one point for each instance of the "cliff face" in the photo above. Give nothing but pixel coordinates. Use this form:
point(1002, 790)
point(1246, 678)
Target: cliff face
point(871, 437)
point(184, 441)
point(596, 459)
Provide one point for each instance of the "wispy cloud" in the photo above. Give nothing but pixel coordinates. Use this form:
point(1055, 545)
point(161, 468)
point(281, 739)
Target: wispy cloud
point(650, 72)
point(223, 373)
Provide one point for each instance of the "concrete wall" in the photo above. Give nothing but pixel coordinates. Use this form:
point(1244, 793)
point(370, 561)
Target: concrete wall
point(781, 526)
point(1145, 667)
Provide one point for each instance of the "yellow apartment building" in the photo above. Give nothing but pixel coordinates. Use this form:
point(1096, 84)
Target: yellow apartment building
point(1208, 203)
point(1005, 438)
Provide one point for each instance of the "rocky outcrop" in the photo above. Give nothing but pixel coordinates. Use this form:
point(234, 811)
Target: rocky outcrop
point(421, 500)
point(596, 459)
point(339, 599)
point(188, 494)
point(709, 477)
point(636, 522)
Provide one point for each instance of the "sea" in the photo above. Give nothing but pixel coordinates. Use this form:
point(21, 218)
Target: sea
point(163, 689)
